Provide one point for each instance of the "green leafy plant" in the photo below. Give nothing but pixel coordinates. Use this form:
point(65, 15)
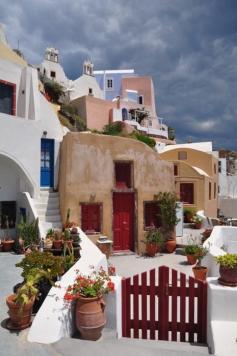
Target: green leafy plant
point(167, 202)
point(188, 214)
point(200, 254)
point(113, 129)
point(38, 261)
point(143, 138)
point(29, 232)
point(154, 236)
point(191, 249)
point(229, 260)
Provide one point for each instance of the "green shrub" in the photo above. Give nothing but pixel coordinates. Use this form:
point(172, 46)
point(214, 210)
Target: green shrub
point(143, 138)
point(228, 260)
point(191, 249)
point(37, 261)
point(114, 129)
point(154, 236)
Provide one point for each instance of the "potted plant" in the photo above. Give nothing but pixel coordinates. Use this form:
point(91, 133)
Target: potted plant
point(190, 252)
point(67, 238)
point(20, 305)
point(29, 233)
point(7, 242)
point(197, 220)
point(57, 240)
point(154, 241)
point(188, 214)
point(167, 202)
point(199, 271)
point(228, 269)
point(47, 267)
point(88, 292)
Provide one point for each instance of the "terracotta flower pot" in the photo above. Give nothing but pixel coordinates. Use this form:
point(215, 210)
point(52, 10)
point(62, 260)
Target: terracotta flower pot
point(200, 272)
point(170, 246)
point(20, 317)
point(151, 249)
point(192, 259)
point(228, 276)
point(7, 245)
point(90, 317)
point(57, 244)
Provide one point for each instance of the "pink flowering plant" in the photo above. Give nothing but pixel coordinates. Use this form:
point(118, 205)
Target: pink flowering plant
point(94, 285)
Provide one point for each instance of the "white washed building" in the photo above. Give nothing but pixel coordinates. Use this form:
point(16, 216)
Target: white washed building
point(30, 135)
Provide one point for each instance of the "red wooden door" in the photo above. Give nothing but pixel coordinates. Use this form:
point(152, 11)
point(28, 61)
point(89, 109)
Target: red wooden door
point(123, 222)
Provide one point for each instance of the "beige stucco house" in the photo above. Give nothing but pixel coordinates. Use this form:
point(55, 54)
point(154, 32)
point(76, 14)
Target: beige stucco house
point(109, 184)
point(196, 177)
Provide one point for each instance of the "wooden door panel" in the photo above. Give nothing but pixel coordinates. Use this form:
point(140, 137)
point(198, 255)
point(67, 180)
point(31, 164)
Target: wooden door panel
point(123, 208)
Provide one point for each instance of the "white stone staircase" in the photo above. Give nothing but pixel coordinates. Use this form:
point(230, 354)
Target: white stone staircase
point(48, 211)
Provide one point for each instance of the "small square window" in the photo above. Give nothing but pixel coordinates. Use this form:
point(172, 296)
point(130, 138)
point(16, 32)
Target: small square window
point(90, 91)
point(182, 155)
point(151, 215)
point(53, 74)
point(109, 83)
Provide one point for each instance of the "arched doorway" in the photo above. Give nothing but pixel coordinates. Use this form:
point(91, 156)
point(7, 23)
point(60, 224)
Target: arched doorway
point(13, 181)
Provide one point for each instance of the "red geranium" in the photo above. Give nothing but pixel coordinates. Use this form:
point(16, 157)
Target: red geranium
point(94, 285)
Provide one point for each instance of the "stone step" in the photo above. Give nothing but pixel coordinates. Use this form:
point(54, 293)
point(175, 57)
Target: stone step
point(46, 206)
point(48, 212)
point(47, 199)
point(49, 194)
point(50, 218)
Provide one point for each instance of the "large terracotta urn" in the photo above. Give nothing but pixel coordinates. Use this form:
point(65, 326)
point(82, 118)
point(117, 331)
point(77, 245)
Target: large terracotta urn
point(90, 317)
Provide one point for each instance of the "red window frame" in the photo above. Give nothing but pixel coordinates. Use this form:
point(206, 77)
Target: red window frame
point(91, 214)
point(151, 218)
point(13, 108)
point(187, 193)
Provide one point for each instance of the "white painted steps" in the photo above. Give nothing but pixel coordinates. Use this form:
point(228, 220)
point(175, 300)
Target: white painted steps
point(47, 206)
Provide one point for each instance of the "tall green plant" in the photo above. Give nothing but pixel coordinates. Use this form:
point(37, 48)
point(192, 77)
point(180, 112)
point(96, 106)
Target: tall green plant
point(29, 232)
point(167, 202)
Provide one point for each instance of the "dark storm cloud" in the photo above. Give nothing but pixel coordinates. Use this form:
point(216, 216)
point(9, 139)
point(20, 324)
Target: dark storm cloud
point(189, 47)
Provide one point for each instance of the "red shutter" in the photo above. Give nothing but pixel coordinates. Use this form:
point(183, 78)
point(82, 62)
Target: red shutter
point(90, 217)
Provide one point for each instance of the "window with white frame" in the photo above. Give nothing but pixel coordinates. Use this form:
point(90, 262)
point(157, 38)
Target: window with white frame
point(109, 83)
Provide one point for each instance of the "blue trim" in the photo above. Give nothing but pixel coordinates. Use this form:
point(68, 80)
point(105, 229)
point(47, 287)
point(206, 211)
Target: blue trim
point(47, 163)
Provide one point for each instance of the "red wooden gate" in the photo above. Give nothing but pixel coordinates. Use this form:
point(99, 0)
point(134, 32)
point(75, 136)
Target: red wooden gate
point(163, 304)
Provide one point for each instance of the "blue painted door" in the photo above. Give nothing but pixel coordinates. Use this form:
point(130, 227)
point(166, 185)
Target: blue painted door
point(47, 163)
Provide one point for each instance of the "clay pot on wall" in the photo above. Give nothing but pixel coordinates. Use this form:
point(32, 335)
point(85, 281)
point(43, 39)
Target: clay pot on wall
point(90, 317)
point(170, 245)
point(228, 276)
point(191, 259)
point(200, 272)
point(20, 316)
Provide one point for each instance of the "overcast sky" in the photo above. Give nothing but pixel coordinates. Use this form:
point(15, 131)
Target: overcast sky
point(189, 47)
